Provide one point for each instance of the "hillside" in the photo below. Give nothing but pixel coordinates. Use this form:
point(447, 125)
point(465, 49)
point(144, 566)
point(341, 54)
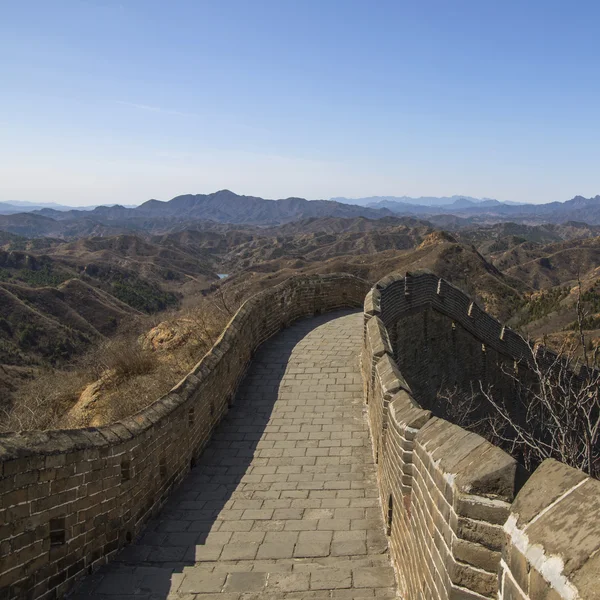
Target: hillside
point(51, 324)
point(84, 301)
point(548, 265)
point(351, 238)
point(500, 237)
point(560, 275)
point(439, 252)
point(160, 264)
point(148, 273)
point(61, 298)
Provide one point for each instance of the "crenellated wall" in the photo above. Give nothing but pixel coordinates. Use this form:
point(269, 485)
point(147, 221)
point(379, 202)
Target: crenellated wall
point(70, 499)
point(462, 522)
point(442, 341)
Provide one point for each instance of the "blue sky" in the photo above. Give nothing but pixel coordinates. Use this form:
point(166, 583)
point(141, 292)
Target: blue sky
point(105, 102)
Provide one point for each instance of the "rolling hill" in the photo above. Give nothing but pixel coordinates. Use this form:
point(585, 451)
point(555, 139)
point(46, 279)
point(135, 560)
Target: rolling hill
point(62, 294)
point(64, 297)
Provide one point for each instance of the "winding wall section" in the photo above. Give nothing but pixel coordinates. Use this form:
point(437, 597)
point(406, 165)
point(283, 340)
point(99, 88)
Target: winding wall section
point(464, 521)
point(69, 500)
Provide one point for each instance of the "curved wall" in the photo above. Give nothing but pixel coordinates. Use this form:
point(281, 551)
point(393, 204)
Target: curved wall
point(442, 340)
point(459, 524)
point(70, 499)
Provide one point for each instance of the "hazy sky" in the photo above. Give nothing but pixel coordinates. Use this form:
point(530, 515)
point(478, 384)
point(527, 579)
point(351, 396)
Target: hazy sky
point(104, 102)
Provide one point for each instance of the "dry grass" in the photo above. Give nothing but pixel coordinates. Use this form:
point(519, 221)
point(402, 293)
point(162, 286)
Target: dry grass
point(126, 397)
point(124, 358)
point(129, 373)
point(41, 403)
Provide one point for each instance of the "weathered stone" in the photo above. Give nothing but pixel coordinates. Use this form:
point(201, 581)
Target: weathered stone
point(288, 582)
point(245, 582)
point(551, 480)
point(330, 579)
point(374, 577)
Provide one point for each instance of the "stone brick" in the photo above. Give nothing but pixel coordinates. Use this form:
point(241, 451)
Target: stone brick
point(245, 582)
point(330, 579)
point(373, 577)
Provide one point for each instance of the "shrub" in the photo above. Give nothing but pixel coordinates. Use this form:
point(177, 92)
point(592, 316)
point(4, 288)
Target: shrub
point(42, 402)
point(5, 326)
point(29, 335)
point(126, 358)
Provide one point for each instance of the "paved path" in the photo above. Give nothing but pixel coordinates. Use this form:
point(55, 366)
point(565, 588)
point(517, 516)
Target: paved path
point(283, 503)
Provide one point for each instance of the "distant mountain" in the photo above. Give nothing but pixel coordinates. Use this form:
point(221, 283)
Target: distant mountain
point(490, 211)
point(225, 206)
point(19, 206)
point(156, 216)
point(11, 208)
point(421, 201)
point(191, 211)
point(581, 209)
point(466, 203)
point(457, 204)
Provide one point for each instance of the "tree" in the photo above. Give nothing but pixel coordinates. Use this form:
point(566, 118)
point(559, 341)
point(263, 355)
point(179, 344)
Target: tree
point(554, 412)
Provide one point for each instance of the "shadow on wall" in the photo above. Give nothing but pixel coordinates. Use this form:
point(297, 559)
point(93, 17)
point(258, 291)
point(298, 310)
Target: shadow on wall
point(462, 525)
point(199, 522)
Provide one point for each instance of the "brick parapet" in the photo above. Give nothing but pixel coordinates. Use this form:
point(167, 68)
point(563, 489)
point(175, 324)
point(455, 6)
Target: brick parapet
point(459, 524)
point(69, 500)
point(552, 534)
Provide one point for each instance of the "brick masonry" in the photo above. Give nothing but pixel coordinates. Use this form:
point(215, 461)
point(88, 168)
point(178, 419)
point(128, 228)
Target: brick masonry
point(69, 500)
point(460, 521)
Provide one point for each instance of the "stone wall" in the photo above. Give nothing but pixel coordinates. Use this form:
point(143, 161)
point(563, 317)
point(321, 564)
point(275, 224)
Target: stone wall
point(442, 341)
point(462, 518)
point(459, 524)
point(69, 500)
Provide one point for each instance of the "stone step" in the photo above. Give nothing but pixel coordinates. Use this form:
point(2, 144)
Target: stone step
point(247, 580)
point(184, 548)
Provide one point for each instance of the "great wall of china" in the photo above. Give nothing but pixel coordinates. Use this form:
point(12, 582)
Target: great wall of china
point(462, 519)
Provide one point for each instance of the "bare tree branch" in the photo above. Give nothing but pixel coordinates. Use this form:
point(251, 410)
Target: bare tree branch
point(554, 411)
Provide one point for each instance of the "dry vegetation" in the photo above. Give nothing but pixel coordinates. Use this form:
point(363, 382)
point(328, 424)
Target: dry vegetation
point(522, 275)
point(123, 374)
point(553, 410)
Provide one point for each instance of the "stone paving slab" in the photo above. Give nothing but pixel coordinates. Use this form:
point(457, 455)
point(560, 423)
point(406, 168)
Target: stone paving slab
point(283, 502)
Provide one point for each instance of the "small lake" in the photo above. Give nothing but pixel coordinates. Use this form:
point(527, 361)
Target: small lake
point(222, 275)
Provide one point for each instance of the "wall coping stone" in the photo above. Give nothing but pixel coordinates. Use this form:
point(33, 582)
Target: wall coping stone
point(406, 412)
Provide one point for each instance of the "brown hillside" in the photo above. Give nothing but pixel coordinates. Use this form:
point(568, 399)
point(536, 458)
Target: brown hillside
point(460, 264)
point(557, 264)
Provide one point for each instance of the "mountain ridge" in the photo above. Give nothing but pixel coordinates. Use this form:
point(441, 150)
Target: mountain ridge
point(419, 201)
point(189, 211)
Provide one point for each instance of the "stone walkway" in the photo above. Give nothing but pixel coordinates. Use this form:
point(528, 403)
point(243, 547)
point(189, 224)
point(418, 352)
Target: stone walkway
point(283, 503)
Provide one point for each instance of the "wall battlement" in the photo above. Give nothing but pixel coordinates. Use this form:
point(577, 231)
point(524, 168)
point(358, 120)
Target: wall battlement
point(69, 500)
point(464, 520)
